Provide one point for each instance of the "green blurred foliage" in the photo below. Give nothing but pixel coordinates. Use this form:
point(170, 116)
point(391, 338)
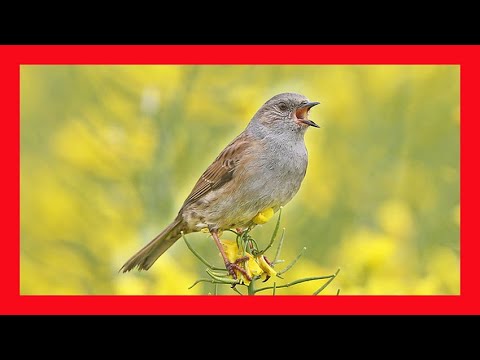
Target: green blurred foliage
point(108, 154)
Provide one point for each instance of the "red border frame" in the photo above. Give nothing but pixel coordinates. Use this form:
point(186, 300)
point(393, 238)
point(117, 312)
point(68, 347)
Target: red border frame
point(11, 57)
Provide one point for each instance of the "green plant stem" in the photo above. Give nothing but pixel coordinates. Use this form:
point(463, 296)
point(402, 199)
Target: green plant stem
point(299, 281)
point(274, 234)
point(251, 288)
point(205, 280)
point(279, 248)
point(289, 266)
point(199, 257)
point(327, 283)
point(221, 278)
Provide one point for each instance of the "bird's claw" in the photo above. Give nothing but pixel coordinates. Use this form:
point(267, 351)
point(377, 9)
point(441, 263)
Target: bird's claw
point(231, 267)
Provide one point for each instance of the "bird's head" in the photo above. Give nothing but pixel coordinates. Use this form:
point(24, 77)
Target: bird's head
point(286, 112)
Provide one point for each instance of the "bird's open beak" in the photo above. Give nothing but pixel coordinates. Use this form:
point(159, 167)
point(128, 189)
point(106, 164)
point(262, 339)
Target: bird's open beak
point(302, 113)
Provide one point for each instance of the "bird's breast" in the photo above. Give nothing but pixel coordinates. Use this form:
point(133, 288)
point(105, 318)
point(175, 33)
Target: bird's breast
point(270, 178)
point(285, 167)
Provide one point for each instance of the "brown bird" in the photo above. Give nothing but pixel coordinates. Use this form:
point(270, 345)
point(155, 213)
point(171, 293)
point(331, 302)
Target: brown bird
point(261, 168)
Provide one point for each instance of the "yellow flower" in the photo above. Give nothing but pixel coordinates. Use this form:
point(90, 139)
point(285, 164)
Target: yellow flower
point(252, 269)
point(231, 250)
point(253, 266)
point(265, 266)
point(263, 216)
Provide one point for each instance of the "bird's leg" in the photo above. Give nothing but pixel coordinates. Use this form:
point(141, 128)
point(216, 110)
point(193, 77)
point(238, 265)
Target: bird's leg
point(231, 267)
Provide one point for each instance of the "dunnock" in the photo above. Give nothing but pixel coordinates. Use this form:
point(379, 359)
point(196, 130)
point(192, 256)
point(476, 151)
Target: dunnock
point(261, 168)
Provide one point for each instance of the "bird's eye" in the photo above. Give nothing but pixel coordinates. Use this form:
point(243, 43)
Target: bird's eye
point(282, 106)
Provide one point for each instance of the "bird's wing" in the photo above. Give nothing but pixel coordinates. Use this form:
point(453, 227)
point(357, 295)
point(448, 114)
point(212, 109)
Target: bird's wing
point(221, 170)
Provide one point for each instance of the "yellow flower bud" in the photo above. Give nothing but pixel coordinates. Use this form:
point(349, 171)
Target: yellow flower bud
point(263, 216)
point(265, 266)
point(253, 269)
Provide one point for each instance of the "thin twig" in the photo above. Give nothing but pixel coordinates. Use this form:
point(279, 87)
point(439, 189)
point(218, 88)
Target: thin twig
point(217, 273)
point(199, 257)
point(280, 244)
point(327, 283)
point(299, 281)
point(274, 234)
point(205, 280)
point(289, 266)
point(221, 278)
point(251, 240)
point(244, 240)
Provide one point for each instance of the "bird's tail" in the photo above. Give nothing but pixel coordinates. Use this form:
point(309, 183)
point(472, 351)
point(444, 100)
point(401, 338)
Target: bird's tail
point(145, 258)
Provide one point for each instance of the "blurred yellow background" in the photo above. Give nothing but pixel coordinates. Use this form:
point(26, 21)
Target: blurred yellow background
point(109, 153)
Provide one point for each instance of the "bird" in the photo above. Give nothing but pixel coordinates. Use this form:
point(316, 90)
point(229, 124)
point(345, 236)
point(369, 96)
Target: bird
point(263, 167)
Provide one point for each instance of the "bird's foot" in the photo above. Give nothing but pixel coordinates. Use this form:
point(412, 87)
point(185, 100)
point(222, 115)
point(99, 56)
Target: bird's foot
point(231, 267)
